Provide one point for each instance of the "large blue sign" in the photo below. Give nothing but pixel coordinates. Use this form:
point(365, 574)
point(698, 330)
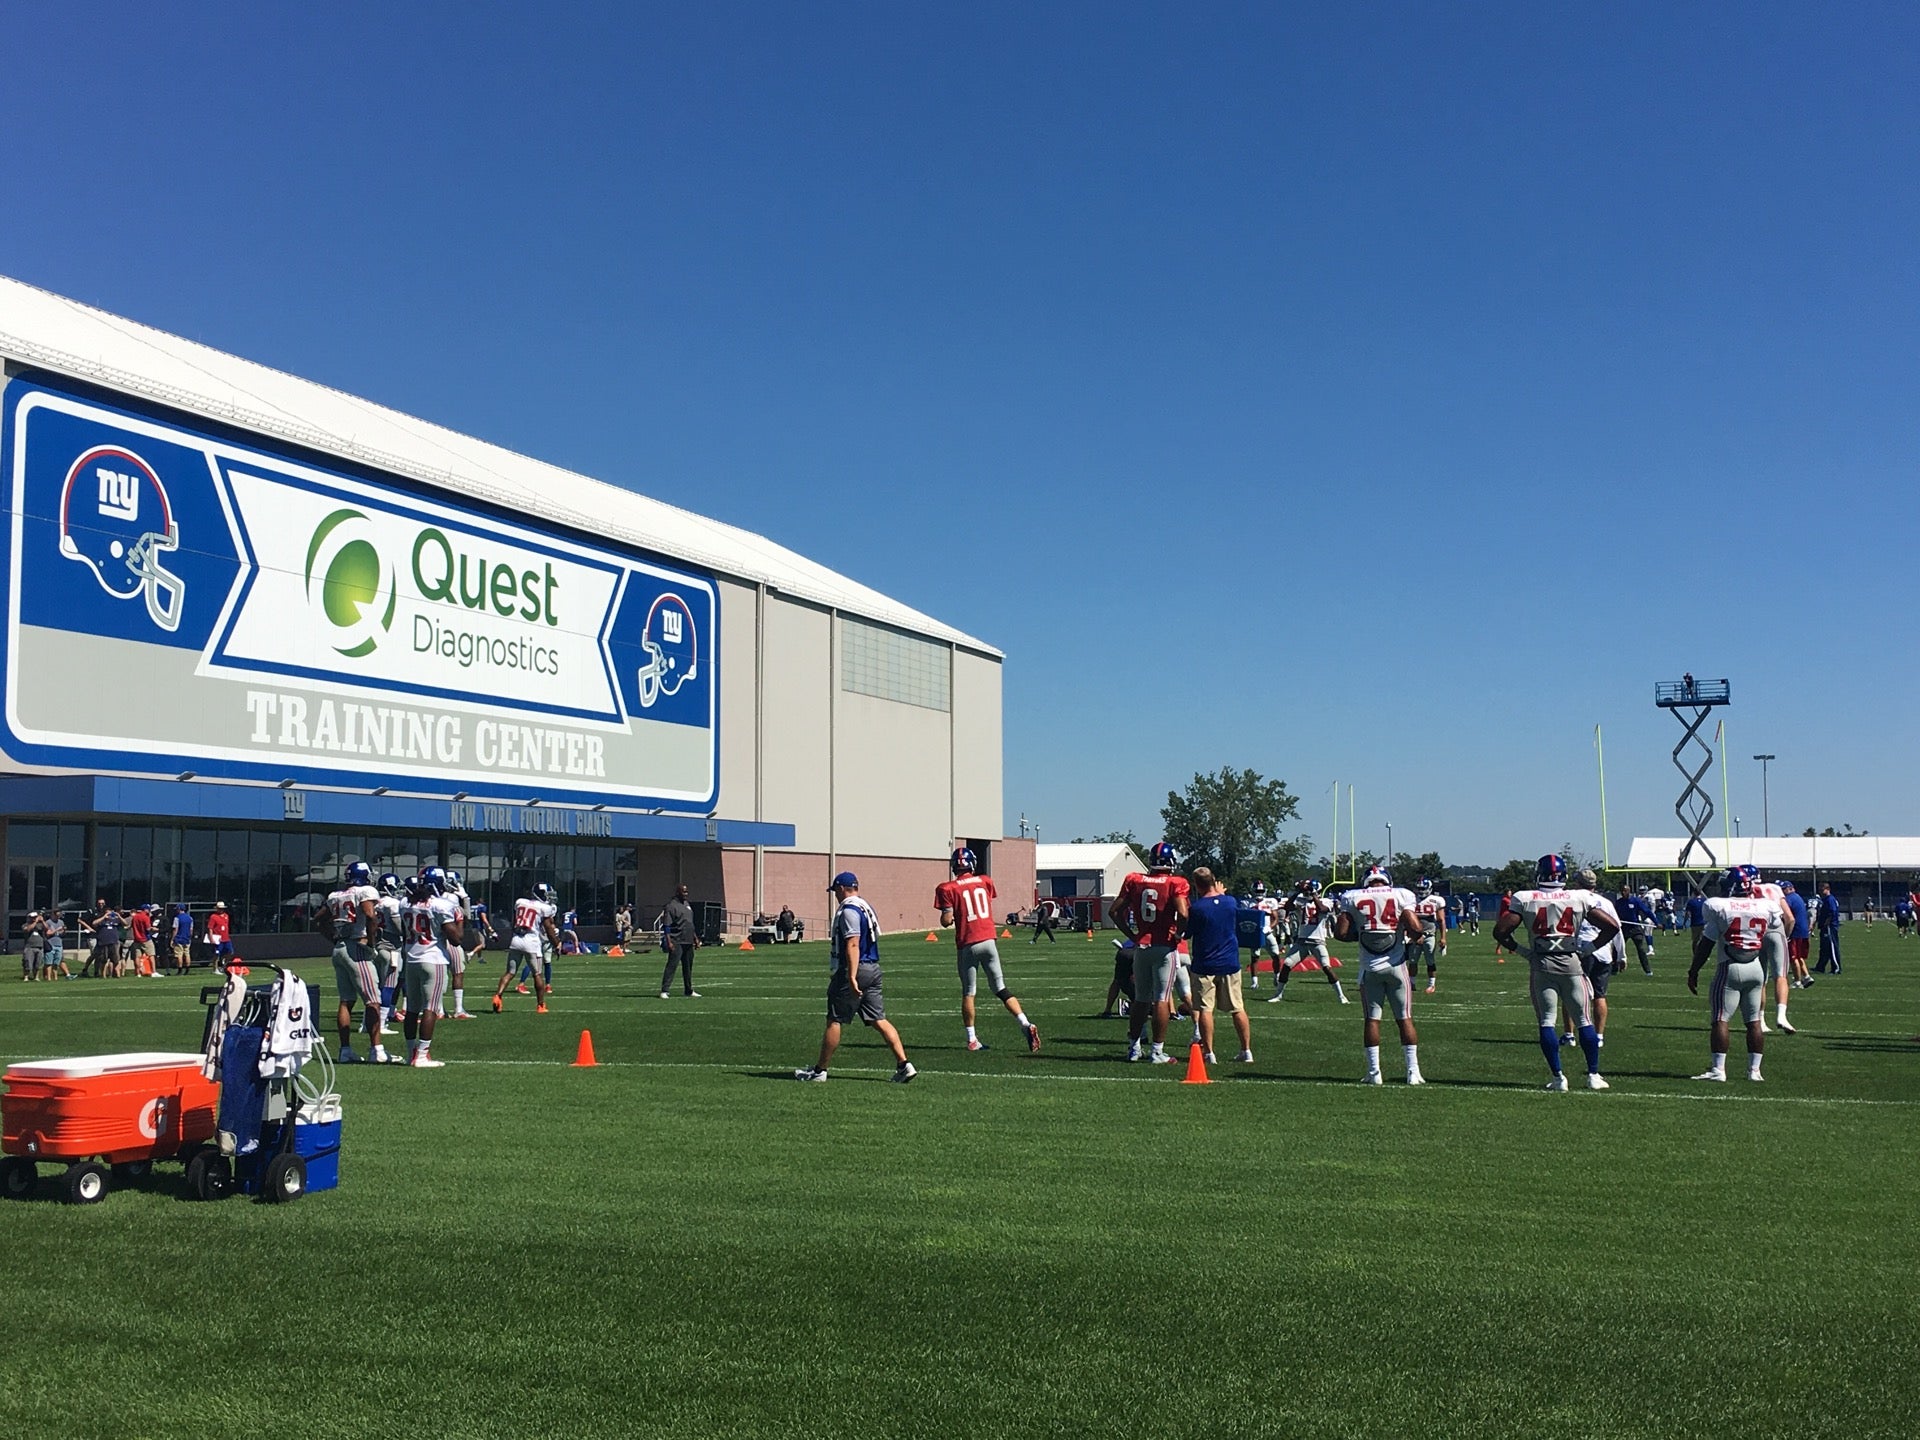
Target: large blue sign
point(181, 600)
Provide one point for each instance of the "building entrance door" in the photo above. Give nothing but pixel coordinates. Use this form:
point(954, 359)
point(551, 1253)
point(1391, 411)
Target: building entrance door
point(29, 888)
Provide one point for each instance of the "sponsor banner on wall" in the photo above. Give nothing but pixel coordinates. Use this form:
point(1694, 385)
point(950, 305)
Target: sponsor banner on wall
point(186, 600)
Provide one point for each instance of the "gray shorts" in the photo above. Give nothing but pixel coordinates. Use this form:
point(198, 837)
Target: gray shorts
point(1269, 945)
point(869, 1005)
point(1152, 974)
point(426, 987)
point(1553, 988)
point(1304, 949)
point(1773, 955)
point(1425, 948)
point(1738, 985)
point(1386, 988)
point(983, 955)
point(354, 976)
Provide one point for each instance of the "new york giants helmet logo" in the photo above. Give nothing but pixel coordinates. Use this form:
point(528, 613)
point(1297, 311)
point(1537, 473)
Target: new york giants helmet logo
point(673, 649)
point(114, 516)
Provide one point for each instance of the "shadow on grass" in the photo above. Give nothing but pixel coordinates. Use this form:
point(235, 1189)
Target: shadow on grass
point(1890, 1046)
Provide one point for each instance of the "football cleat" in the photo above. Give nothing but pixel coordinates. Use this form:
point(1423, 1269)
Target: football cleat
point(1245, 1057)
point(1373, 1077)
point(902, 1073)
point(812, 1073)
point(497, 1006)
point(1414, 1077)
point(1033, 1039)
point(424, 1061)
point(1597, 1082)
point(1557, 1085)
point(1160, 1057)
point(975, 1045)
point(1133, 1051)
point(1718, 1077)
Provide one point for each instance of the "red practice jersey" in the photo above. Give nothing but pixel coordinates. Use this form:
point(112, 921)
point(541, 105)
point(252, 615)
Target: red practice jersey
point(971, 899)
point(1150, 900)
point(219, 926)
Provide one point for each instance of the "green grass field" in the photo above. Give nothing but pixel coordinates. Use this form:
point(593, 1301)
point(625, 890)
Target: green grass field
point(685, 1242)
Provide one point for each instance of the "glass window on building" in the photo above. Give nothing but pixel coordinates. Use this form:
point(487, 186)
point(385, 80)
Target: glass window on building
point(196, 868)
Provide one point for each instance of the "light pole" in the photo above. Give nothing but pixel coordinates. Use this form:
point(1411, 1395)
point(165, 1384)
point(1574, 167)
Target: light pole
point(1736, 827)
point(1389, 854)
point(1766, 812)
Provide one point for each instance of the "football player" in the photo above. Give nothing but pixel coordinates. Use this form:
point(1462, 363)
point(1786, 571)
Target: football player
point(1382, 917)
point(1151, 911)
point(1268, 943)
point(1552, 915)
point(390, 938)
point(966, 906)
point(457, 952)
point(354, 926)
point(1774, 949)
point(1312, 918)
point(1600, 962)
point(433, 933)
point(533, 929)
point(1737, 928)
point(1432, 910)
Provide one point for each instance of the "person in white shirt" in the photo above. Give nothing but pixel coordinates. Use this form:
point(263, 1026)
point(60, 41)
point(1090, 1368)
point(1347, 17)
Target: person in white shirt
point(1380, 917)
point(1738, 927)
point(1553, 915)
point(533, 930)
point(433, 928)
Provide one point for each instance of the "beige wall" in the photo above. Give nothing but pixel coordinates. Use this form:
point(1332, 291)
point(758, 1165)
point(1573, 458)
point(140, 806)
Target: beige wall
point(799, 656)
point(737, 685)
point(892, 793)
point(854, 774)
point(977, 805)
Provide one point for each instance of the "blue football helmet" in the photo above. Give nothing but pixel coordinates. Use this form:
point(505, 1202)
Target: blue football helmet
point(1737, 880)
point(1377, 875)
point(543, 892)
point(1552, 870)
point(1424, 885)
point(359, 873)
point(963, 862)
point(114, 517)
point(434, 879)
point(1162, 856)
point(673, 649)
point(390, 884)
point(419, 888)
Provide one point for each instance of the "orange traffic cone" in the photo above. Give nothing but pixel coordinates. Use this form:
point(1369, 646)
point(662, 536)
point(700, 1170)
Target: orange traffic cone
point(1006, 934)
point(932, 939)
point(1197, 1067)
point(584, 1059)
point(746, 944)
point(615, 950)
point(1089, 934)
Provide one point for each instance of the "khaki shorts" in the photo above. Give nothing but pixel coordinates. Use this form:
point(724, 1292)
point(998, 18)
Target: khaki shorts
point(182, 954)
point(137, 948)
point(1218, 992)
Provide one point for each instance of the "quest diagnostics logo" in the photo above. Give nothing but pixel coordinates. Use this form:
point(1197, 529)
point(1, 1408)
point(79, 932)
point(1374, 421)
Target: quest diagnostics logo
point(346, 576)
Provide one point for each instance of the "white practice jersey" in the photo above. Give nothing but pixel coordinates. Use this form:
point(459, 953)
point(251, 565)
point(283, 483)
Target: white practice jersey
point(1738, 926)
point(391, 910)
point(1269, 909)
point(1379, 912)
point(1432, 910)
point(1589, 932)
point(1552, 918)
point(349, 925)
point(427, 924)
point(1766, 890)
point(1312, 916)
point(530, 923)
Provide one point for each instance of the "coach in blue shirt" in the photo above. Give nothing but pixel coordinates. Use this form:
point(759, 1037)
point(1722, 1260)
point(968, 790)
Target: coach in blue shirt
point(1213, 936)
point(1797, 941)
point(1829, 923)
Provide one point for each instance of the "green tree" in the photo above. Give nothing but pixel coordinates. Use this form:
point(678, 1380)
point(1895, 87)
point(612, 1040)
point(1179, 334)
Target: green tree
point(1514, 875)
point(1229, 822)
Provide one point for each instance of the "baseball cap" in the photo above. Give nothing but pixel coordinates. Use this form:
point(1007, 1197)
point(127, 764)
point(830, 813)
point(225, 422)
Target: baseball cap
point(846, 879)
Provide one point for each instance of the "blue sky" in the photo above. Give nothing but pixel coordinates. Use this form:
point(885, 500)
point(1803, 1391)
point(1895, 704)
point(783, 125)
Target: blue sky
point(1383, 394)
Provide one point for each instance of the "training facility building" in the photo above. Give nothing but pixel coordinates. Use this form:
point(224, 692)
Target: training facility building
point(257, 628)
point(1880, 868)
point(1084, 876)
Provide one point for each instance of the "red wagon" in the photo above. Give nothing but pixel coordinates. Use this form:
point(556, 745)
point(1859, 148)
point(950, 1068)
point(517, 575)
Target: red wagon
point(99, 1111)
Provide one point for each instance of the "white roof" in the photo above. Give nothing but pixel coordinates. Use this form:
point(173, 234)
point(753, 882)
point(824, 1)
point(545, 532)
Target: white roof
point(1783, 852)
point(1096, 856)
point(63, 335)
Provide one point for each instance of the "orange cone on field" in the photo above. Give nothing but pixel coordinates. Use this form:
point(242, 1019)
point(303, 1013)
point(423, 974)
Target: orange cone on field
point(1089, 934)
point(584, 1060)
point(1006, 934)
point(746, 944)
point(932, 939)
point(613, 950)
point(1197, 1067)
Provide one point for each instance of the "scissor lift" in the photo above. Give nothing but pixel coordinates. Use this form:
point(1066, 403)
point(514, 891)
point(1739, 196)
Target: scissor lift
point(1693, 703)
